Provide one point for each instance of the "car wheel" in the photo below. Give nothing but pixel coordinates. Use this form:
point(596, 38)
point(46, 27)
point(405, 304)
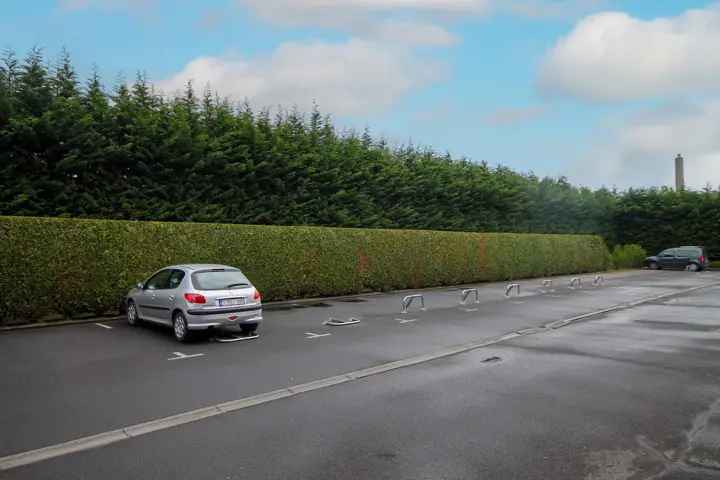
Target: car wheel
point(693, 267)
point(133, 317)
point(248, 330)
point(653, 266)
point(180, 327)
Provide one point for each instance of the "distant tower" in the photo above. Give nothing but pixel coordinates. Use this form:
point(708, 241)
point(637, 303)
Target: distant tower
point(679, 173)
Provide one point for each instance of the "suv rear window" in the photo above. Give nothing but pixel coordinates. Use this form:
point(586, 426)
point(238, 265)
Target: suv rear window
point(219, 280)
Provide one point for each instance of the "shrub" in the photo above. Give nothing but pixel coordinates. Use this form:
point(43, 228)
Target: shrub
point(72, 267)
point(628, 256)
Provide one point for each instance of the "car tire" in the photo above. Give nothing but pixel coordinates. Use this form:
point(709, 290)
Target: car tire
point(653, 266)
point(180, 327)
point(132, 314)
point(693, 267)
point(248, 330)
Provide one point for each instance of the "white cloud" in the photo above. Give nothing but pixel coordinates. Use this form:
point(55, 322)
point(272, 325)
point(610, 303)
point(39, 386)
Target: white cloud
point(348, 12)
point(356, 77)
point(411, 33)
point(542, 9)
point(639, 149)
point(613, 56)
point(344, 12)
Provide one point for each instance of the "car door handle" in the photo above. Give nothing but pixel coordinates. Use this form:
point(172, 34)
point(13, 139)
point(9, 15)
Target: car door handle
point(171, 297)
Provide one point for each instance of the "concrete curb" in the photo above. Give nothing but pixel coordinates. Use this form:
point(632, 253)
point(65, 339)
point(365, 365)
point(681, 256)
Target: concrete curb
point(113, 436)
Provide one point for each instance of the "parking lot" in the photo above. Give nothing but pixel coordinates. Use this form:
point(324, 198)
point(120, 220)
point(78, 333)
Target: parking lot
point(616, 380)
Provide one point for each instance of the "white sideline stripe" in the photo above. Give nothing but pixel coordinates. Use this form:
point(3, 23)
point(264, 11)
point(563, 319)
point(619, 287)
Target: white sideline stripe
point(182, 356)
point(312, 336)
point(407, 320)
point(104, 326)
point(113, 436)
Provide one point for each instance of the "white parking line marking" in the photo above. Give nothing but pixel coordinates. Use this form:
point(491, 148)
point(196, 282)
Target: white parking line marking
point(182, 356)
point(470, 309)
point(407, 320)
point(517, 303)
point(104, 326)
point(312, 336)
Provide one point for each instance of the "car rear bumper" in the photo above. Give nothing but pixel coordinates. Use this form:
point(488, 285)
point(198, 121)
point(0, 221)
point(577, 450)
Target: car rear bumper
point(228, 317)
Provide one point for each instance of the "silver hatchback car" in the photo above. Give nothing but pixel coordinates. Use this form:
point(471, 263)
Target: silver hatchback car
point(196, 297)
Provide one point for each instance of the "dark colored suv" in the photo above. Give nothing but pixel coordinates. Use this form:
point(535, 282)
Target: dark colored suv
point(690, 258)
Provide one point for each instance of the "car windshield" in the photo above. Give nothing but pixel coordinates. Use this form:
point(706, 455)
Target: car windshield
point(219, 280)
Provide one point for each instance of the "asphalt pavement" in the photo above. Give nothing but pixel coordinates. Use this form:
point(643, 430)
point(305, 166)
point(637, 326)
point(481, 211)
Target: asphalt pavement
point(631, 393)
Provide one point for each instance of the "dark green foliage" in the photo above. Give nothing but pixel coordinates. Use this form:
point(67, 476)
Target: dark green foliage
point(663, 218)
point(628, 256)
point(71, 149)
point(68, 267)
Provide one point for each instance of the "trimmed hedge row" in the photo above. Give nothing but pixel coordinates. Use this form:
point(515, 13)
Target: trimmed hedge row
point(70, 267)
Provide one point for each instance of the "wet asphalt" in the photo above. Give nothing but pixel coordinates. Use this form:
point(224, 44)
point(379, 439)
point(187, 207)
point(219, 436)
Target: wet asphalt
point(632, 394)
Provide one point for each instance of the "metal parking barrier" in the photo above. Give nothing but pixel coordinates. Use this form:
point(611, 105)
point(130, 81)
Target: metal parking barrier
point(407, 301)
point(577, 281)
point(509, 289)
point(598, 281)
point(466, 293)
point(334, 322)
point(547, 283)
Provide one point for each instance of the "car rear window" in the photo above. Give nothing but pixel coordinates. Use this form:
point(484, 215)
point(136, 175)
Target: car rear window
point(219, 280)
point(689, 252)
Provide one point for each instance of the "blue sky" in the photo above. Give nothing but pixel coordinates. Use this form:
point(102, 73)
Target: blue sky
point(605, 92)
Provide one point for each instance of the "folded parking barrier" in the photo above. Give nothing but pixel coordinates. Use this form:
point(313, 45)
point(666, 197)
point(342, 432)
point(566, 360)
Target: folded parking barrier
point(334, 322)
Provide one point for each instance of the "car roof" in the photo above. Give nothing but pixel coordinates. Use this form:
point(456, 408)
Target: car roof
point(201, 266)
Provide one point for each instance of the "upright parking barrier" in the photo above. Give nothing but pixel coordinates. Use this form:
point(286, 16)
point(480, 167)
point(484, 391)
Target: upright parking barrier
point(466, 293)
point(598, 281)
point(509, 289)
point(577, 281)
point(407, 301)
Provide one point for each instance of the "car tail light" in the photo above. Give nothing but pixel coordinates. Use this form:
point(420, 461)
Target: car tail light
point(257, 297)
point(195, 298)
point(702, 259)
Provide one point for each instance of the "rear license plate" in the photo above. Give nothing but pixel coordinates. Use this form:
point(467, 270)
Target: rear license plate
point(231, 302)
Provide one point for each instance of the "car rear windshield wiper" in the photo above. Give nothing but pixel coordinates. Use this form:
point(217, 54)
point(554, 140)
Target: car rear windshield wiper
point(232, 285)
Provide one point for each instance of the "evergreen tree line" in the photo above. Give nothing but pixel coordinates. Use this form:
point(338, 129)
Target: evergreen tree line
point(78, 149)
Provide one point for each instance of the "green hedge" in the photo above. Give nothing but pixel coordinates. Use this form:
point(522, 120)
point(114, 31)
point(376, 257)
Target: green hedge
point(628, 256)
point(70, 267)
